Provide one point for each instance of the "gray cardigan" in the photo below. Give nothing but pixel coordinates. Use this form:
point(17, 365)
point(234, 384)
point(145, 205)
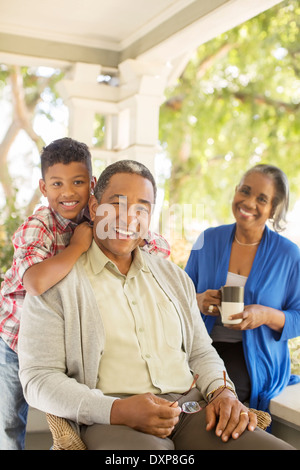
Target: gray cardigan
point(62, 339)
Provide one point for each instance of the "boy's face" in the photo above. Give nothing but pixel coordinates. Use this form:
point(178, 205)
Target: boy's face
point(67, 188)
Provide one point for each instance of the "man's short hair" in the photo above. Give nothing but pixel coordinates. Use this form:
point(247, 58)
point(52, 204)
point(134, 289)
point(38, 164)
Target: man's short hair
point(65, 150)
point(122, 166)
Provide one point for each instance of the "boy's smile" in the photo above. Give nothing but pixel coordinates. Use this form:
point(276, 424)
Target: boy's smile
point(67, 188)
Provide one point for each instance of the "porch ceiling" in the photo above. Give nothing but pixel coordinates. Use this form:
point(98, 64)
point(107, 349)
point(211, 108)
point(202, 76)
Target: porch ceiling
point(109, 32)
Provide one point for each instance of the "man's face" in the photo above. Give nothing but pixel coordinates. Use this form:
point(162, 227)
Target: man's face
point(122, 218)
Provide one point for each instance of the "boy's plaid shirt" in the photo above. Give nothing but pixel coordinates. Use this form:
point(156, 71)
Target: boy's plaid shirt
point(43, 235)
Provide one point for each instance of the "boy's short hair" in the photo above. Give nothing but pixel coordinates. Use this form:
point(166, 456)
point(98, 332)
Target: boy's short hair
point(65, 150)
point(122, 166)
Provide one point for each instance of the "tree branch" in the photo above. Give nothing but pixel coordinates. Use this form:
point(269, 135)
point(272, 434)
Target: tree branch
point(5, 145)
point(175, 102)
point(261, 99)
point(208, 62)
point(20, 108)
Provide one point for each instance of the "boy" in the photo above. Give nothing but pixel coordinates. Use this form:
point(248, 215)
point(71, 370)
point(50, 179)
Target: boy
point(47, 245)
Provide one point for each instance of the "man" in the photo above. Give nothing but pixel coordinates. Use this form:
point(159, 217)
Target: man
point(116, 343)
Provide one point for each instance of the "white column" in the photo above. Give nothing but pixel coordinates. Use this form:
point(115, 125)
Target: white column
point(131, 108)
point(81, 115)
point(81, 122)
point(142, 88)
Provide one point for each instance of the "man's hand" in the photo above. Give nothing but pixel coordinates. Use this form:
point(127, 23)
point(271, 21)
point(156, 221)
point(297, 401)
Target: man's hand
point(229, 416)
point(147, 413)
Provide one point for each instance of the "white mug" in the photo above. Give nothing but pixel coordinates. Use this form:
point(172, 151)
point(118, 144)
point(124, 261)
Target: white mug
point(232, 302)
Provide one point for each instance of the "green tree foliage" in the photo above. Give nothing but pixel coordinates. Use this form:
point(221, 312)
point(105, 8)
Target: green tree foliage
point(236, 104)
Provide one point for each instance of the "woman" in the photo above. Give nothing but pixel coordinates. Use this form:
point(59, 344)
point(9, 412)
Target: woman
point(248, 253)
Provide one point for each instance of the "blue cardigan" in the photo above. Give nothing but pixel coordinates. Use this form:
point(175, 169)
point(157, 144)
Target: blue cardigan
point(274, 281)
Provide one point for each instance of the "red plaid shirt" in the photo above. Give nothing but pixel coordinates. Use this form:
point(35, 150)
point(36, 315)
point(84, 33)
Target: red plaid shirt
point(157, 244)
point(44, 234)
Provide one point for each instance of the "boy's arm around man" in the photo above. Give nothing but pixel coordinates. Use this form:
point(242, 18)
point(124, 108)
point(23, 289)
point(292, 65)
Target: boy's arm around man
point(41, 276)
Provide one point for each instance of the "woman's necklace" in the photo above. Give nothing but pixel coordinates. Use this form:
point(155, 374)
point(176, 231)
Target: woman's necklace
point(246, 244)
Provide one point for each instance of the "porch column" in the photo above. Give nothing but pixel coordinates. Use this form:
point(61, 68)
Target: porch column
point(142, 88)
point(77, 90)
point(131, 109)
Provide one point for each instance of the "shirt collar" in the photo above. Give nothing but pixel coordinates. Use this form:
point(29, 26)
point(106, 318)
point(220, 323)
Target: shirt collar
point(64, 223)
point(98, 261)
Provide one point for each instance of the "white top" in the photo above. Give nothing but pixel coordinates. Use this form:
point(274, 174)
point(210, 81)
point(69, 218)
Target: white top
point(234, 279)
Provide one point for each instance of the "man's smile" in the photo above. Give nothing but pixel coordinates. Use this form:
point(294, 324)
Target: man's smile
point(125, 233)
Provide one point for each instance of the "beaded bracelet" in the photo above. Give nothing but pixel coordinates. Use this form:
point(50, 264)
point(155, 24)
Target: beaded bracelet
point(209, 395)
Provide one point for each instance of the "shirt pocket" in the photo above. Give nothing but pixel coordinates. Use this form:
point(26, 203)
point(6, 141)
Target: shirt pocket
point(170, 324)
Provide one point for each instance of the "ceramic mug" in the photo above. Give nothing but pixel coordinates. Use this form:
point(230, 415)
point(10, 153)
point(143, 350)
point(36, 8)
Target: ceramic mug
point(232, 301)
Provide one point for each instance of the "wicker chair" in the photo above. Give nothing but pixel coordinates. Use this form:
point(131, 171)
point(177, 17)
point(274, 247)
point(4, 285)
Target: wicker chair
point(63, 435)
point(65, 438)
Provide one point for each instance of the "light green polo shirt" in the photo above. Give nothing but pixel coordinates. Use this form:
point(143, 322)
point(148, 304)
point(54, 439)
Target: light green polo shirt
point(143, 338)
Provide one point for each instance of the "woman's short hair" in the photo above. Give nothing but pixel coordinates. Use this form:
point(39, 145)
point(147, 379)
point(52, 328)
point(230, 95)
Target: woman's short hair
point(280, 202)
point(122, 166)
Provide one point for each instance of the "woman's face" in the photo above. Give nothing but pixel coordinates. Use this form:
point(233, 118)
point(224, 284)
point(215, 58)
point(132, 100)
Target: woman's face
point(252, 203)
